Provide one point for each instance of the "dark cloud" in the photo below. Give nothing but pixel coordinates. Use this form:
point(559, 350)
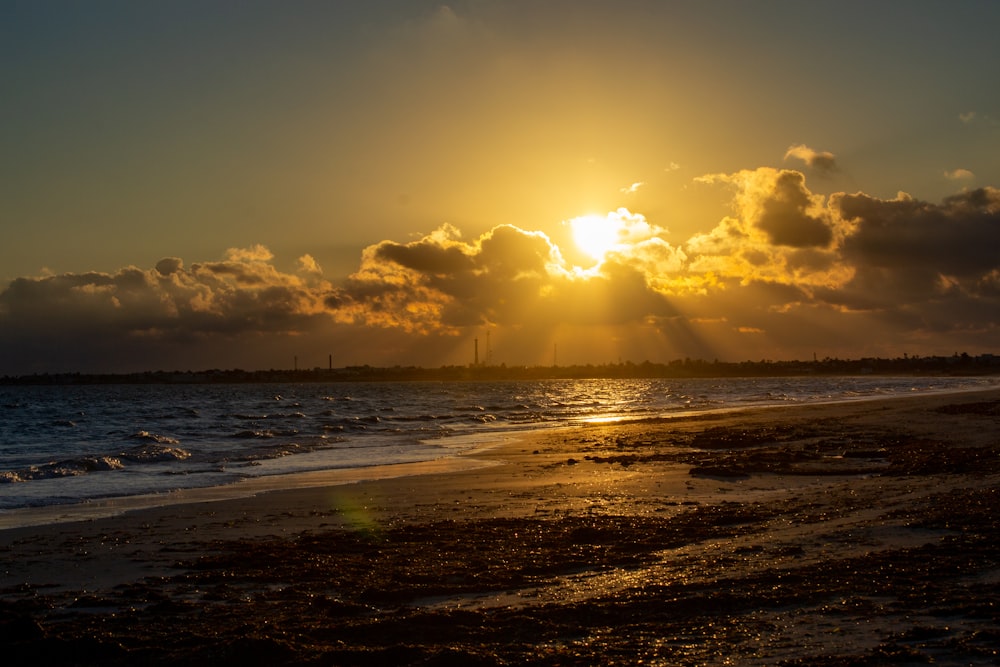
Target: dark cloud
point(169, 305)
point(923, 267)
point(169, 265)
point(923, 242)
point(785, 216)
point(510, 253)
point(425, 256)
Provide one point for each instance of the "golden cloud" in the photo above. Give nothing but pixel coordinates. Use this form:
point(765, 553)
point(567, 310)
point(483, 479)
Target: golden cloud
point(780, 232)
point(784, 255)
point(822, 161)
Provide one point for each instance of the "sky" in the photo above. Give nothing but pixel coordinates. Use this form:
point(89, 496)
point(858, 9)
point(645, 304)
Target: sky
point(196, 185)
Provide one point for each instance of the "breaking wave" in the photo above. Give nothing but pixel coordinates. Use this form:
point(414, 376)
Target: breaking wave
point(67, 468)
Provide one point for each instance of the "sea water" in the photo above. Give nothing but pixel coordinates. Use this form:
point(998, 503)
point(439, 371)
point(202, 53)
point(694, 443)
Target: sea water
point(74, 444)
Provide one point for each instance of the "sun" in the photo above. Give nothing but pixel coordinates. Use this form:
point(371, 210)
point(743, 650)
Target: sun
point(596, 235)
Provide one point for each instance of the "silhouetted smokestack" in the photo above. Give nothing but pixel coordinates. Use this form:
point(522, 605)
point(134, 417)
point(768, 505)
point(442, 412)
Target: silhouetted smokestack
point(476, 358)
point(330, 362)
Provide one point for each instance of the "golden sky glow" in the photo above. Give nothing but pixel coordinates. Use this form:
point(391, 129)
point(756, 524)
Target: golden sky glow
point(595, 235)
point(387, 181)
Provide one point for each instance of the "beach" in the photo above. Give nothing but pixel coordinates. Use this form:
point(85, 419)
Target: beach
point(856, 533)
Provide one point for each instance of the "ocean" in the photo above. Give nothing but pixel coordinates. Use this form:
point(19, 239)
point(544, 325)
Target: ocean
point(63, 445)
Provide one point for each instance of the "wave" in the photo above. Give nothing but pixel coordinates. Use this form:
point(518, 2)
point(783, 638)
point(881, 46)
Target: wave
point(153, 437)
point(155, 453)
point(45, 435)
point(251, 434)
point(67, 468)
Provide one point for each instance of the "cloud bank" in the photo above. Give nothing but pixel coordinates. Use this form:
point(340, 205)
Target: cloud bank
point(789, 270)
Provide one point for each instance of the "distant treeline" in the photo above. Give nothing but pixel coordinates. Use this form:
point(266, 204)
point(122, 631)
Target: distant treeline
point(958, 364)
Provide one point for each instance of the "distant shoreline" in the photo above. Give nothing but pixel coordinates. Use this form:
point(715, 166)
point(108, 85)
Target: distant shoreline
point(955, 365)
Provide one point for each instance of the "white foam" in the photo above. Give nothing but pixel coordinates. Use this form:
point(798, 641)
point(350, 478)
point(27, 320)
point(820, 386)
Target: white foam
point(110, 507)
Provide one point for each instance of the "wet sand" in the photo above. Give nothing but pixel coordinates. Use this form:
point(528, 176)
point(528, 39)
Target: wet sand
point(848, 534)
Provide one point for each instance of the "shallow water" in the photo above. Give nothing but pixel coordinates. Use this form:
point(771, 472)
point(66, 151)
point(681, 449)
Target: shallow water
point(67, 444)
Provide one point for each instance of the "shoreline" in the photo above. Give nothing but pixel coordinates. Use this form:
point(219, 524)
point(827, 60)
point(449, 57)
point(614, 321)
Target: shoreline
point(249, 487)
point(98, 508)
point(856, 532)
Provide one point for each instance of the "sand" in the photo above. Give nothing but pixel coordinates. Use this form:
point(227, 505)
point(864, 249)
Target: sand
point(857, 533)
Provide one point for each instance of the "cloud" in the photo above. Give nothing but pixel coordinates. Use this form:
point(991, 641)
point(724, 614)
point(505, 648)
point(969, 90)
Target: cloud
point(915, 268)
point(774, 208)
point(628, 228)
point(256, 253)
point(967, 117)
point(241, 294)
point(508, 277)
point(957, 237)
point(959, 175)
point(309, 265)
point(933, 266)
point(785, 255)
point(821, 161)
point(787, 265)
point(633, 188)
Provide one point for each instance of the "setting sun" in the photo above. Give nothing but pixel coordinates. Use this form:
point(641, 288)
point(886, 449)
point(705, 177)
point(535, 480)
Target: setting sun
point(596, 235)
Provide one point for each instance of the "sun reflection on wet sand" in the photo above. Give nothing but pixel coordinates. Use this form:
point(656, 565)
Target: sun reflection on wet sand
point(793, 540)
